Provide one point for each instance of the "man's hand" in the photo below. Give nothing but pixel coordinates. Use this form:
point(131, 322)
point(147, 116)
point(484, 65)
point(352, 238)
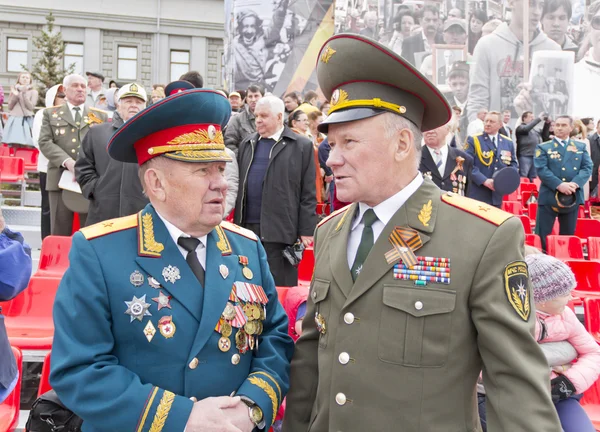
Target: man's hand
point(70, 165)
point(523, 100)
point(489, 183)
point(307, 241)
point(567, 188)
point(543, 116)
point(208, 415)
point(239, 415)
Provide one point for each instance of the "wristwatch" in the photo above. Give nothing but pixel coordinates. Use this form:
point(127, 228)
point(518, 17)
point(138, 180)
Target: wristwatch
point(255, 413)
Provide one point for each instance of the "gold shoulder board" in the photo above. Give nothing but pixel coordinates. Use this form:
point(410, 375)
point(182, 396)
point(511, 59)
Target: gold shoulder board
point(98, 110)
point(239, 230)
point(110, 226)
point(504, 136)
point(477, 208)
point(334, 214)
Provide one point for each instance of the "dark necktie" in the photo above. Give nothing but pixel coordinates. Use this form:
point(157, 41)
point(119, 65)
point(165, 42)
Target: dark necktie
point(78, 121)
point(366, 243)
point(494, 141)
point(190, 244)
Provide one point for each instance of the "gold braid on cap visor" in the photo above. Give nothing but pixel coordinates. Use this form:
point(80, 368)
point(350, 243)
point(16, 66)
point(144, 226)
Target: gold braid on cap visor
point(364, 103)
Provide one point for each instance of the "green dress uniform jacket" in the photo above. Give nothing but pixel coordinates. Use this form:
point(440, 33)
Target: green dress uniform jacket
point(60, 137)
point(556, 164)
point(395, 356)
point(137, 336)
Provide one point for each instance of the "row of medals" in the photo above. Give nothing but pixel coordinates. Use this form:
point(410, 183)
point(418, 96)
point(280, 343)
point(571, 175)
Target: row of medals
point(458, 185)
point(246, 336)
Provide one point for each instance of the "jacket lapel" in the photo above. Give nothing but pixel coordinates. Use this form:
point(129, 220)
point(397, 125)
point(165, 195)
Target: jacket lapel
point(419, 212)
point(450, 162)
point(157, 251)
point(338, 244)
point(566, 153)
point(428, 162)
point(68, 115)
point(218, 288)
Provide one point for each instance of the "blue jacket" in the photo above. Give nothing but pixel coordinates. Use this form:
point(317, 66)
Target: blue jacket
point(488, 159)
point(120, 373)
point(556, 164)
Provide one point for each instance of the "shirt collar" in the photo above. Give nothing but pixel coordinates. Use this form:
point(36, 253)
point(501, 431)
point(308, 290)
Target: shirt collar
point(175, 232)
point(459, 104)
point(277, 135)
point(388, 208)
point(71, 106)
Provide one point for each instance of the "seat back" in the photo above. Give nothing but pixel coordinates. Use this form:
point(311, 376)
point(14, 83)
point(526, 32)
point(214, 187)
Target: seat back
point(587, 274)
point(34, 304)
point(307, 265)
point(12, 169)
point(591, 308)
point(532, 211)
point(586, 228)
point(564, 247)
point(526, 223)
point(12, 404)
point(594, 248)
point(533, 240)
point(30, 157)
point(515, 196)
point(54, 257)
point(5, 150)
point(513, 207)
point(45, 378)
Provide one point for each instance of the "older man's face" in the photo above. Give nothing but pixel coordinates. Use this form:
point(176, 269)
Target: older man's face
point(249, 29)
point(130, 106)
point(195, 191)
point(361, 158)
point(76, 92)
point(436, 138)
point(267, 122)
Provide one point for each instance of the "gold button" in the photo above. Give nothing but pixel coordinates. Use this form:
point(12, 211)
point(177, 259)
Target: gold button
point(340, 398)
point(574, 168)
point(564, 168)
point(73, 151)
point(314, 294)
point(418, 305)
point(194, 363)
point(235, 359)
point(344, 358)
point(72, 130)
point(349, 318)
point(74, 140)
point(564, 179)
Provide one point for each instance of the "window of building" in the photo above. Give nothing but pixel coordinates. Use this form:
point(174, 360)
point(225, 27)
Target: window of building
point(74, 55)
point(16, 54)
point(180, 63)
point(127, 63)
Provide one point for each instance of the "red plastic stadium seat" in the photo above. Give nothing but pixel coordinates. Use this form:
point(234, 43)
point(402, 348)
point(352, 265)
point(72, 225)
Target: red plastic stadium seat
point(307, 265)
point(5, 150)
point(524, 180)
point(54, 257)
point(594, 248)
point(30, 157)
point(9, 409)
point(587, 228)
point(28, 317)
point(45, 378)
point(12, 169)
point(591, 404)
point(564, 247)
point(515, 196)
point(591, 307)
point(282, 293)
point(526, 223)
point(533, 240)
point(537, 182)
point(513, 207)
point(527, 195)
point(587, 274)
point(532, 212)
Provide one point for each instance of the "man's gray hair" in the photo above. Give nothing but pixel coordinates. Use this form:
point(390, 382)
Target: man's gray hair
point(70, 79)
point(274, 103)
point(394, 123)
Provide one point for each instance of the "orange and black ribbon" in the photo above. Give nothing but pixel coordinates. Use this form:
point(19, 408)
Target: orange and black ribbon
point(405, 242)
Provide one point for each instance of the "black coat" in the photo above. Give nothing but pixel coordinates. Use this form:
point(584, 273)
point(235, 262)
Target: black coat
point(415, 44)
point(112, 187)
point(289, 195)
point(527, 138)
point(428, 166)
point(595, 155)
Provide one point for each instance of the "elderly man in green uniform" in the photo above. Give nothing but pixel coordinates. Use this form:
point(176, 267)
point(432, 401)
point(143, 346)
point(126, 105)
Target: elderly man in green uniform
point(163, 316)
point(564, 166)
point(415, 290)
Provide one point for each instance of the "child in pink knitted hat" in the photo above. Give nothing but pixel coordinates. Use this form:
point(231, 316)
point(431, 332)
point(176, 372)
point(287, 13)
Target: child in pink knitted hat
point(552, 282)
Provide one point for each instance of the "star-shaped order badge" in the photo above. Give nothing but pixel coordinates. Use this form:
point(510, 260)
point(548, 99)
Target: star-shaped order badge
point(137, 308)
point(162, 300)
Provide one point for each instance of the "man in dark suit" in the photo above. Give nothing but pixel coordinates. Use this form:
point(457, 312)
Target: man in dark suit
point(449, 168)
point(421, 42)
point(595, 153)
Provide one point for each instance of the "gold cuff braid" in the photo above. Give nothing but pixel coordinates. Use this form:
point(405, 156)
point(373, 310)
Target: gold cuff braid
point(162, 412)
point(266, 387)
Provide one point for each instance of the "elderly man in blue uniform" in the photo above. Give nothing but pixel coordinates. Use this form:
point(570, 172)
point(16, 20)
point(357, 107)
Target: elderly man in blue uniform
point(564, 167)
point(168, 320)
point(491, 152)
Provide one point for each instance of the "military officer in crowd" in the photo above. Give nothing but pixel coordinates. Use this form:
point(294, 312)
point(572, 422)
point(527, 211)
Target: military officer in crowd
point(449, 168)
point(491, 152)
point(168, 320)
point(400, 318)
point(63, 129)
point(564, 166)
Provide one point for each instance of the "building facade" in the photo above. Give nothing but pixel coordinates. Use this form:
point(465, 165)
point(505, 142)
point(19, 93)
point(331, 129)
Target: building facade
point(147, 41)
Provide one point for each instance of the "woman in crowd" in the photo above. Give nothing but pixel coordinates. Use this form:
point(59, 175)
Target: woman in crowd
point(314, 120)
point(21, 104)
point(291, 101)
point(298, 122)
point(476, 21)
point(325, 108)
point(403, 24)
point(158, 93)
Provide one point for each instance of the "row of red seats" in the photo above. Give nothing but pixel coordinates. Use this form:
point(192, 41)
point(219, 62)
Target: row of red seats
point(28, 154)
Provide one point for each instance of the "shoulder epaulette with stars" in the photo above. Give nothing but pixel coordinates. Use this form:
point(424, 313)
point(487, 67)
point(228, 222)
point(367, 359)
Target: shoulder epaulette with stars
point(110, 226)
point(477, 208)
point(333, 214)
point(239, 230)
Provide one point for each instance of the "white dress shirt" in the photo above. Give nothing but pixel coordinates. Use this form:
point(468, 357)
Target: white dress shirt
point(384, 212)
point(73, 112)
point(276, 136)
point(175, 233)
point(444, 156)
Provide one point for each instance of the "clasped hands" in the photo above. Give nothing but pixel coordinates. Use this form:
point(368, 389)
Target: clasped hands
point(219, 414)
point(568, 188)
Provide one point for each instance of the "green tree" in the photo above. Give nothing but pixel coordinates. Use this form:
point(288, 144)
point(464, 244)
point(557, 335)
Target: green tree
point(48, 70)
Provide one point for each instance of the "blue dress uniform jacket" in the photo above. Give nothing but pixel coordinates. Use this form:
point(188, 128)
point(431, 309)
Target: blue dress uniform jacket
point(556, 164)
point(488, 159)
point(107, 367)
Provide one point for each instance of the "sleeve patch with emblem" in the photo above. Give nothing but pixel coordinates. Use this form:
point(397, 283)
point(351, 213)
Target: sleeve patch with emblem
point(516, 284)
point(538, 152)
